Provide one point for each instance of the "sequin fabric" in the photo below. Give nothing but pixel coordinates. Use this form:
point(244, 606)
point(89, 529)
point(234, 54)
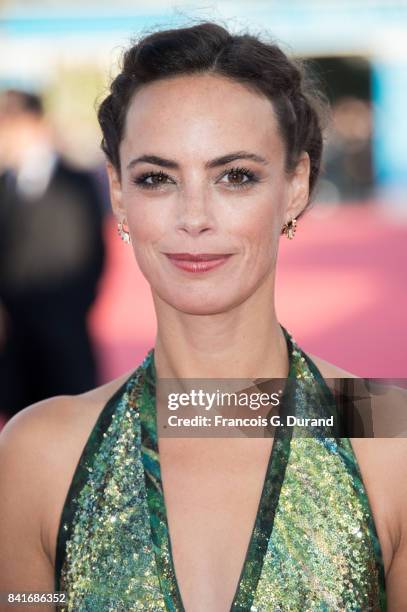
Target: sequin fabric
point(314, 545)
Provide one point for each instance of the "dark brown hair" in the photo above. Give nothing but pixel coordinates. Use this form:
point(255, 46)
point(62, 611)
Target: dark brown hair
point(209, 48)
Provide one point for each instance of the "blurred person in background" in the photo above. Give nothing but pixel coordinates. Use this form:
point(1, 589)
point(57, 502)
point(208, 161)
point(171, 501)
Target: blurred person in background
point(51, 258)
point(348, 152)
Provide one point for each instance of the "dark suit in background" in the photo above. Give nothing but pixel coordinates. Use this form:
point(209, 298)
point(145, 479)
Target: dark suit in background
point(51, 258)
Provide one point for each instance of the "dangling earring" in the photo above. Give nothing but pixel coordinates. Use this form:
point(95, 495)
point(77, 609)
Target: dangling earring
point(124, 234)
point(289, 228)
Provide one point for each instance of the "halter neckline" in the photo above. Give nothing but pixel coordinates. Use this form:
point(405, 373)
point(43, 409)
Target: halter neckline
point(263, 524)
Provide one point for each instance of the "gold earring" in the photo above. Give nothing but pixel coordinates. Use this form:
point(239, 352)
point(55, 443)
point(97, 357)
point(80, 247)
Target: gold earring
point(124, 234)
point(289, 228)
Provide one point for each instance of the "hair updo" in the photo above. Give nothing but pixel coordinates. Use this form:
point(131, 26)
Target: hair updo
point(209, 48)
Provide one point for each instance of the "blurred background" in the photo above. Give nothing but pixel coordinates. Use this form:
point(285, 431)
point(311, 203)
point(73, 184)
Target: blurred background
point(74, 308)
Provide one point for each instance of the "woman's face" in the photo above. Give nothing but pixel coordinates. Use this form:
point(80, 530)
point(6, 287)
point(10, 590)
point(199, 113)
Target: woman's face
point(203, 172)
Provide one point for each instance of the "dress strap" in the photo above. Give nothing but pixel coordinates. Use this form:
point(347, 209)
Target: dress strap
point(81, 473)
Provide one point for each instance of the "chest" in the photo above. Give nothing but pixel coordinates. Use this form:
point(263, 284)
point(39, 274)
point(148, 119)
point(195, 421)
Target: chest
point(202, 541)
point(212, 491)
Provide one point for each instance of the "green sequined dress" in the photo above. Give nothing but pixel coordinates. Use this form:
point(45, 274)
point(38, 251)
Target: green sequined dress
point(314, 544)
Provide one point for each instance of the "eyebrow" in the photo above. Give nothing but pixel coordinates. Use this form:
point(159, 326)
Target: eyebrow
point(213, 163)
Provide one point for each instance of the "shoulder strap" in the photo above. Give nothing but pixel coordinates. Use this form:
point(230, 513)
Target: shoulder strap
point(81, 474)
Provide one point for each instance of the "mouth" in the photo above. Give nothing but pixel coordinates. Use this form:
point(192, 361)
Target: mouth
point(197, 262)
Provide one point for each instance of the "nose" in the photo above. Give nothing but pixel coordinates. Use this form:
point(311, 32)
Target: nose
point(194, 212)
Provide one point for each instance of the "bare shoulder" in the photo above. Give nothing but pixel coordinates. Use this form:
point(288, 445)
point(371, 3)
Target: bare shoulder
point(329, 370)
point(51, 417)
point(39, 450)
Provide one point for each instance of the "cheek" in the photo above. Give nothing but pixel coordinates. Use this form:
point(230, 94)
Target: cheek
point(147, 221)
point(148, 226)
point(260, 229)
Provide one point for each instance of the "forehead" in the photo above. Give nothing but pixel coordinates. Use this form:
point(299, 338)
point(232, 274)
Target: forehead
point(201, 114)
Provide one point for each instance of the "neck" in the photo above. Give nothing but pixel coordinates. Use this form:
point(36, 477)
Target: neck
point(245, 342)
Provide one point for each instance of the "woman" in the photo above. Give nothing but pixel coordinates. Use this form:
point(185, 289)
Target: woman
point(213, 148)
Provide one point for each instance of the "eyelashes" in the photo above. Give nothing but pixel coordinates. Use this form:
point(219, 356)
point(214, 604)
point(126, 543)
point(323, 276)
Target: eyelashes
point(160, 178)
point(249, 174)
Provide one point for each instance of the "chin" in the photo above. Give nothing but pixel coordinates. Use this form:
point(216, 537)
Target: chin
point(201, 305)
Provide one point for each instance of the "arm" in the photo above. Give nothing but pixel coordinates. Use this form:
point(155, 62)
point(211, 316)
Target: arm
point(39, 451)
point(396, 583)
point(24, 564)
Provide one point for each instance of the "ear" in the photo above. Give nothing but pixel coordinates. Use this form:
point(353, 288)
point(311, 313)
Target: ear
point(299, 187)
point(115, 189)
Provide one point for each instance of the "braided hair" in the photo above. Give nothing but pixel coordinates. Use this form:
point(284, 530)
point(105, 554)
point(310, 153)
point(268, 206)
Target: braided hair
point(210, 48)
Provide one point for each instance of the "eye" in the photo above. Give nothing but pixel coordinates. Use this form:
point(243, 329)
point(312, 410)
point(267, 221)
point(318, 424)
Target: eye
point(152, 180)
point(240, 177)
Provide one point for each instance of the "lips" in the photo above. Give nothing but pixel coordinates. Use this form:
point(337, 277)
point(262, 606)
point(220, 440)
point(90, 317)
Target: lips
point(196, 256)
point(197, 262)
